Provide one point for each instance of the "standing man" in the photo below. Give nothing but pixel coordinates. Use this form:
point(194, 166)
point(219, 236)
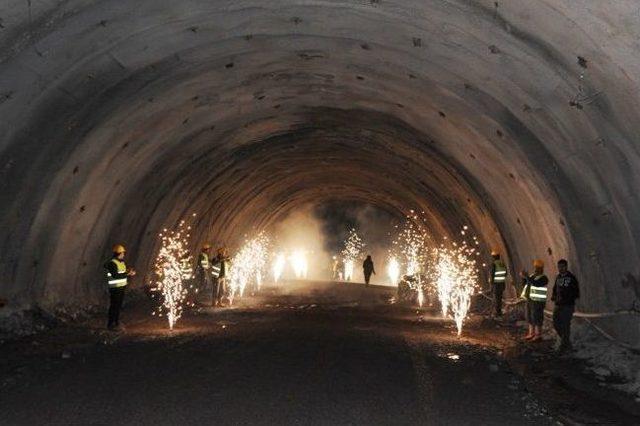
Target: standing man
point(368, 269)
point(535, 293)
point(117, 279)
point(203, 273)
point(220, 271)
point(498, 281)
point(565, 292)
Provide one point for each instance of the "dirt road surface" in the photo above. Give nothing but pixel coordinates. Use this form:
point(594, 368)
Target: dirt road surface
point(336, 356)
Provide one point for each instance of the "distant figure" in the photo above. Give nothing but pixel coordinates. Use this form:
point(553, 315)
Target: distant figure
point(535, 293)
point(565, 292)
point(368, 269)
point(498, 280)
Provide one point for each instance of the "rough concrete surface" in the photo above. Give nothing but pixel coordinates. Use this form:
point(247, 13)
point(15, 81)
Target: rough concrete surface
point(517, 118)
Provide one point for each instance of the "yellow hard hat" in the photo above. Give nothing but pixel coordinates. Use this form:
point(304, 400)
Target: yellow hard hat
point(206, 246)
point(538, 263)
point(118, 248)
point(221, 250)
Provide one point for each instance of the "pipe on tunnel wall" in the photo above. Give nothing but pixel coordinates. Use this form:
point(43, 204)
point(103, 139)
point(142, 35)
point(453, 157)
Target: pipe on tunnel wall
point(119, 119)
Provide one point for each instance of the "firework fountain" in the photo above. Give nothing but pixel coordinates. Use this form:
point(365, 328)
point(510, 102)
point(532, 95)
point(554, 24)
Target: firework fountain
point(299, 264)
point(410, 246)
point(173, 270)
point(279, 263)
point(353, 247)
point(456, 278)
point(393, 270)
point(247, 266)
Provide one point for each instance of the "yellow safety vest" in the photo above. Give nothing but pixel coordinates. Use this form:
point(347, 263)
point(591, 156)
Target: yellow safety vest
point(535, 293)
point(117, 282)
point(500, 272)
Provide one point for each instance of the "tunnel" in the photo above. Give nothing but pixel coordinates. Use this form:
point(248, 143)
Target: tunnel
point(118, 119)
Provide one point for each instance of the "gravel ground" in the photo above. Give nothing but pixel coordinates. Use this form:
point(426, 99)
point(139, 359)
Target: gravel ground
point(278, 359)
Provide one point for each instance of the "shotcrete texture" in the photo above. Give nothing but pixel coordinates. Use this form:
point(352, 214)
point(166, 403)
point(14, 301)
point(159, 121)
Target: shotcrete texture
point(120, 117)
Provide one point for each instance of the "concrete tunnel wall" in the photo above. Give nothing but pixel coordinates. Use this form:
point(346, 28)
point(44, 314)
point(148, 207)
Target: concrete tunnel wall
point(118, 118)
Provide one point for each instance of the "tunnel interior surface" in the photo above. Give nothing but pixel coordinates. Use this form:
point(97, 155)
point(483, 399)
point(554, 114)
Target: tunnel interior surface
point(518, 119)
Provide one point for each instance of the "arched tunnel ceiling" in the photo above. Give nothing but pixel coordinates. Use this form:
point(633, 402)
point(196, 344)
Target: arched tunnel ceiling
point(117, 118)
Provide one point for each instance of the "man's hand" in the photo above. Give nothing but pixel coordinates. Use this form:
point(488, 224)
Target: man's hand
point(131, 272)
point(524, 273)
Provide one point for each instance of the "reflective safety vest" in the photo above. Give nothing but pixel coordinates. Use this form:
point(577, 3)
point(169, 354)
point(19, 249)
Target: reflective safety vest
point(500, 272)
point(215, 270)
point(204, 260)
point(122, 269)
point(535, 293)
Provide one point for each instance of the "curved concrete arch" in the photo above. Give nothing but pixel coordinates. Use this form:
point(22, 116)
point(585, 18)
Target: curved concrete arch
point(121, 117)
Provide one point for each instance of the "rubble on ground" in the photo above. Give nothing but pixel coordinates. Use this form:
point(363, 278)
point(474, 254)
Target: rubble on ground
point(609, 361)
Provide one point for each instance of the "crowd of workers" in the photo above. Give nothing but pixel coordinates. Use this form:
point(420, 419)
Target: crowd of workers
point(534, 292)
point(212, 273)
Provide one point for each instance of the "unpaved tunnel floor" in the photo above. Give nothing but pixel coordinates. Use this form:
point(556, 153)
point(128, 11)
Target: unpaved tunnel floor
point(284, 360)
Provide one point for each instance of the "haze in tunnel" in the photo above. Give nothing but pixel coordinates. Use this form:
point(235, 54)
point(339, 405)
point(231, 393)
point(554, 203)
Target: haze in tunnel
point(120, 118)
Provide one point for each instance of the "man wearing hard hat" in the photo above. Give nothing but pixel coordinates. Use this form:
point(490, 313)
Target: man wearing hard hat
point(535, 293)
point(117, 280)
point(498, 281)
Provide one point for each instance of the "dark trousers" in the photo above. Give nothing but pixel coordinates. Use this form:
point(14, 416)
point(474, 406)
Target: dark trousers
point(367, 278)
point(562, 315)
point(219, 289)
point(498, 291)
point(116, 296)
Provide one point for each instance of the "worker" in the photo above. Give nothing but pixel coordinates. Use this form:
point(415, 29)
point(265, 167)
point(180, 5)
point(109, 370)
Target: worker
point(368, 269)
point(535, 293)
point(117, 279)
point(565, 292)
point(498, 281)
point(220, 271)
point(203, 269)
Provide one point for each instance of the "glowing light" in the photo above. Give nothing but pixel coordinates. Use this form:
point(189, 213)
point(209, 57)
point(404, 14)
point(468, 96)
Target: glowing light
point(410, 246)
point(173, 270)
point(420, 296)
point(456, 277)
point(393, 270)
point(353, 246)
point(299, 264)
point(278, 267)
point(246, 267)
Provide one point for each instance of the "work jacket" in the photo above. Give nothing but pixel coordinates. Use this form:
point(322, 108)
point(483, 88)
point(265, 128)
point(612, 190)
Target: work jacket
point(116, 273)
point(498, 272)
point(220, 267)
point(535, 288)
point(203, 261)
point(565, 289)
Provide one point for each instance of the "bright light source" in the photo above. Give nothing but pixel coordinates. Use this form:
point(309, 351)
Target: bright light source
point(299, 264)
point(278, 267)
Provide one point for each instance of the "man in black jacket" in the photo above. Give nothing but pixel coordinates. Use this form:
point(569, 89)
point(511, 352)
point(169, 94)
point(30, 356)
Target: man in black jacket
point(565, 292)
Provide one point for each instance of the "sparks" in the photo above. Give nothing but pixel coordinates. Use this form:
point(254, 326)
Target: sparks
point(393, 270)
point(246, 267)
point(173, 269)
point(456, 277)
point(353, 246)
